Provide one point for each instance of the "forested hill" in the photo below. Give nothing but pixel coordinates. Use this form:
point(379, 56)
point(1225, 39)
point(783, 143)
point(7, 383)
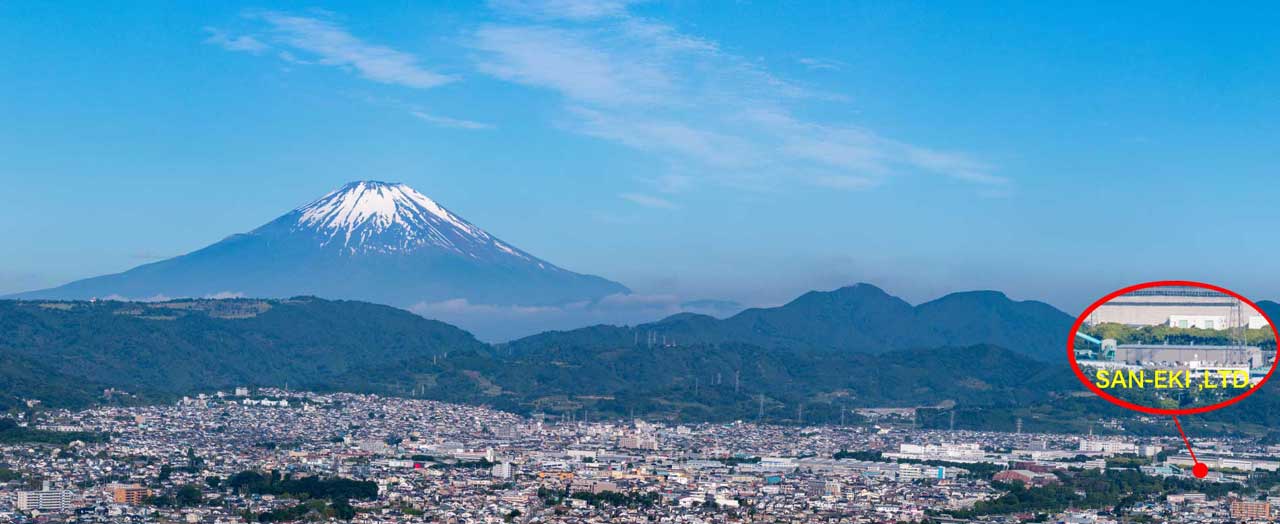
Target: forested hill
point(68, 352)
point(856, 319)
point(855, 346)
point(1272, 309)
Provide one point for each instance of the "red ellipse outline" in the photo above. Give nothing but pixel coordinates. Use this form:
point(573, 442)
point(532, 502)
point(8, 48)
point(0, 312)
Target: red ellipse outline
point(1071, 356)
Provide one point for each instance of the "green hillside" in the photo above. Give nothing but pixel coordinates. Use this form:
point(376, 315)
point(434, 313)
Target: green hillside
point(800, 362)
point(66, 353)
point(855, 319)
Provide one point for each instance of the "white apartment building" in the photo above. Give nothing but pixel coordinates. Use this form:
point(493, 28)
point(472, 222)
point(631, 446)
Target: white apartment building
point(1109, 447)
point(47, 499)
point(502, 471)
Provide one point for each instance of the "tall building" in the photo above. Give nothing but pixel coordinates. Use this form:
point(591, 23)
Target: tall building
point(47, 499)
point(131, 494)
point(638, 442)
point(503, 470)
point(1250, 510)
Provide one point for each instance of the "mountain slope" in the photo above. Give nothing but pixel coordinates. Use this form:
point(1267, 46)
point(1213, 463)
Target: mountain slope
point(66, 353)
point(989, 317)
point(730, 381)
point(859, 318)
point(371, 241)
point(1270, 308)
point(178, 347)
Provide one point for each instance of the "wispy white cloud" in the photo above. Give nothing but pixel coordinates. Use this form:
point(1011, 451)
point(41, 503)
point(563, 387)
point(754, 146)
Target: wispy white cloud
point(444, 121)
point(671, 183)
point(648, 200)
point(645, 85)
point(243, 43)
point(292, 58)
point(564, 9)
point(331, 44)
point(666, 136)
point(225, 295)
point(325, 42)
point(821, 64)
point(466, 307)
point(153, 298)
point(565, 61)
point(847, 182)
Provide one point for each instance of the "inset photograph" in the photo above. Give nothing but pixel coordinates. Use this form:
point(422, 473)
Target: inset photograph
point(1175, 347)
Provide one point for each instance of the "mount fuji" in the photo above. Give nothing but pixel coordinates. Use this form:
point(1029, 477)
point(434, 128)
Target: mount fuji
point(372, 241)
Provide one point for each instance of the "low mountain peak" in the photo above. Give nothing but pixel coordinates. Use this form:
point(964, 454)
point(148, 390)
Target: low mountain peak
point(862, 287)
point(978, 294)
point(857, 291)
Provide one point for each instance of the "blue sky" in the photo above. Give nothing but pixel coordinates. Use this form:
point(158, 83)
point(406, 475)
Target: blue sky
point(739, 150)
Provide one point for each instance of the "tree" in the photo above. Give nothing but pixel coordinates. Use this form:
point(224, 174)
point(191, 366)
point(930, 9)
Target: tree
point(342, 509)
point(189, 495)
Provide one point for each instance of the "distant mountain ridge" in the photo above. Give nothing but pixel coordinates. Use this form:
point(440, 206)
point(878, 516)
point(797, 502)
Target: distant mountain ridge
point(859, 318)
point(373, 241)
point(66, 353)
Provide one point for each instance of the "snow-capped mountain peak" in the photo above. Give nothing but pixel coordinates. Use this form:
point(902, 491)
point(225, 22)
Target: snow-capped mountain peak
point(371, 216)
point(370, 241)
point(379, 205)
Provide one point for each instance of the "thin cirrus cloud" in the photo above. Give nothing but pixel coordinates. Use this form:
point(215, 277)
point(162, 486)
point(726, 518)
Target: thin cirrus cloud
point(325, 42)
point(444, 121)
point(648, 200)
point(567, 9)
point(565, 61)
point(821, 64)
point(244, 43)
point(686, 100)
point(642, 84)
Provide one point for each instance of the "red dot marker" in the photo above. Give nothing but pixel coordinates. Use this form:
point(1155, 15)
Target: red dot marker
point(1200, 470)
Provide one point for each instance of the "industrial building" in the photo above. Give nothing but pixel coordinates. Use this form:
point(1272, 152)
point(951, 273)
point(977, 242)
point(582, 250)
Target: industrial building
point(1178, 306)
point(1198, 360)
point(1217, 356)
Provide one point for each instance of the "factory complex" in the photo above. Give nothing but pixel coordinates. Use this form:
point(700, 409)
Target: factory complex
point(1178, 307)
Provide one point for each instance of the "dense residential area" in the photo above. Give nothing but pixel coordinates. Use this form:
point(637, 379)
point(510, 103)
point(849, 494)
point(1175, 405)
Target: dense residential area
point(639, 262)
point(275, 455)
